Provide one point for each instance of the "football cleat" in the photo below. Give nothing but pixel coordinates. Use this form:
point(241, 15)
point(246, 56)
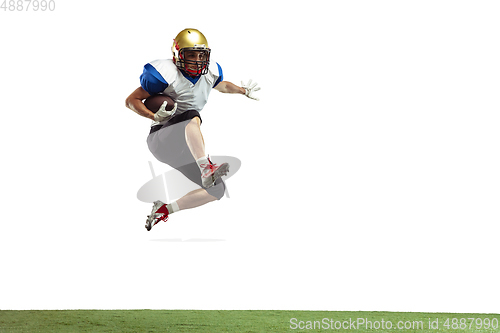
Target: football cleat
point(211, 172)
point(158, 213)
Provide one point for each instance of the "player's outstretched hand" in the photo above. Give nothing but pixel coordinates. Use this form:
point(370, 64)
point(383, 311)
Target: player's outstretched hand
point(162, 114)
point(250, 89)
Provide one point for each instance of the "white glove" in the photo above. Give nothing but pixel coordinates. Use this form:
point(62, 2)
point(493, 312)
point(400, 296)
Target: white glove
point(163, 114)
point(250, 89)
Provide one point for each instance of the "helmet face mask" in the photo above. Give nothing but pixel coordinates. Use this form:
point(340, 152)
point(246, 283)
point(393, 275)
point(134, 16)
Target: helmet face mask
point(187, 41)
point(194, 65)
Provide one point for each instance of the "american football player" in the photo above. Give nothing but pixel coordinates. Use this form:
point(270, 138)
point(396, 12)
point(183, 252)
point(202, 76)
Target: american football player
point(175, 136)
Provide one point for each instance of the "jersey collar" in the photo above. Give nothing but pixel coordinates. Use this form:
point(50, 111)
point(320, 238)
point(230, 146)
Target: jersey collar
point(191, 79)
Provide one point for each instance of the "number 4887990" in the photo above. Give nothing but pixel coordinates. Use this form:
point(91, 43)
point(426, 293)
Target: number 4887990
point(28, 5)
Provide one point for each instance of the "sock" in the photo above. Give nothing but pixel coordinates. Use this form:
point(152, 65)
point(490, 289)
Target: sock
point(202, 160)
point(172, 207)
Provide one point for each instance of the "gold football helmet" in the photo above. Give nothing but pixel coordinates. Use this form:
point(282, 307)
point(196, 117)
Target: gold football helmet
point(191, 40)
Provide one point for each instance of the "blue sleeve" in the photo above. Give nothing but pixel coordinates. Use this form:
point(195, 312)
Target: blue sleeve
point(152, 81)
point(221, 77)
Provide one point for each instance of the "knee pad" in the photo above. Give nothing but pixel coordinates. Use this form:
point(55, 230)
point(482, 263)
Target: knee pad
point(218, 189)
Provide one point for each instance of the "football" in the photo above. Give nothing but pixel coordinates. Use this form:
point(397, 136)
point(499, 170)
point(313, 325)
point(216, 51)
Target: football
point(154, 102)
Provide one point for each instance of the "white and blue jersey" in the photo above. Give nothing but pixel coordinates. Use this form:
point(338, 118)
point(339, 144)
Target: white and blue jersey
point(163, 76)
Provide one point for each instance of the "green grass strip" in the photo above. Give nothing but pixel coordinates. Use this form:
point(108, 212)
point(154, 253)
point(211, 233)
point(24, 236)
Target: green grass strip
point(242, 321)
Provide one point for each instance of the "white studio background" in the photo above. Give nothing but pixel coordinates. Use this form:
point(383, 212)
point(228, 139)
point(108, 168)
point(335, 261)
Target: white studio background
point(369, 176)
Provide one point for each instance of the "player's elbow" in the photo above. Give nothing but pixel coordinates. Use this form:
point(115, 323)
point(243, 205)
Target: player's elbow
point(136, 97)
point(128, 102)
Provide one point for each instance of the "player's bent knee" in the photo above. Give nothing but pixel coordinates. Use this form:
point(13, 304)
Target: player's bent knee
point(217, 190)
point(195, 121)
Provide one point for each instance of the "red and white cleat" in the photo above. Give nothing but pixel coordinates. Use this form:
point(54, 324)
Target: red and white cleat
point(158, 213)
point(211, 172)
